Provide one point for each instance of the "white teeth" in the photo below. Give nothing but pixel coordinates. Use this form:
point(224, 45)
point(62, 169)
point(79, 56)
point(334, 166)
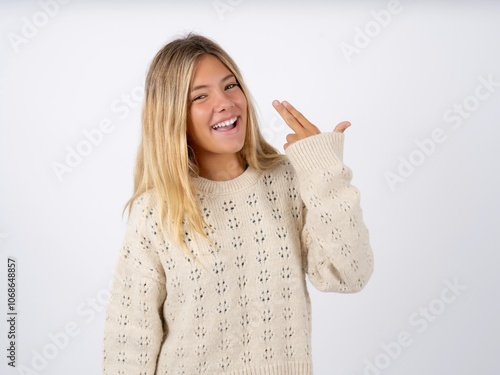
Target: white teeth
point(225, 123)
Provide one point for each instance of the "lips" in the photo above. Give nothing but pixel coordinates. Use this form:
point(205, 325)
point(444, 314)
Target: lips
point(225, 123)
point(227, 127)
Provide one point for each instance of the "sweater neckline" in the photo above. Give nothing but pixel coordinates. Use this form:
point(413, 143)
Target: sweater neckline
point(248, 178)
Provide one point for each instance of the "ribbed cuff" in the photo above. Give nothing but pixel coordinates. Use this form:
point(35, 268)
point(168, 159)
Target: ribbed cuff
point(316, 152)
point(285, 368)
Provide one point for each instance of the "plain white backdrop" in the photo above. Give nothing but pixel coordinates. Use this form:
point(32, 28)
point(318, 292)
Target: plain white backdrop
point(420, 83)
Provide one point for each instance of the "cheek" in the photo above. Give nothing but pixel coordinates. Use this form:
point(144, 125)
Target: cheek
point(242, 102)
point(200, 115)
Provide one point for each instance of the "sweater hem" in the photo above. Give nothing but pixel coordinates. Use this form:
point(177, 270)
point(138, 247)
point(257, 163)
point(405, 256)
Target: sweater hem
point(287, 368)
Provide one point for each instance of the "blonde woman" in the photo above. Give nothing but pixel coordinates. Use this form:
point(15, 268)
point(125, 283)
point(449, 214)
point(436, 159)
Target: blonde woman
point(223, 228)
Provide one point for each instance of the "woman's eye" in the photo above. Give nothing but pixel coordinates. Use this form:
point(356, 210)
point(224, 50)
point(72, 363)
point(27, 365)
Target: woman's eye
point(231, 85)
point(199, 97)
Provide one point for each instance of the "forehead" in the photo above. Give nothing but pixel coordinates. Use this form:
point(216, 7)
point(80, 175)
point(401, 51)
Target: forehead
point(209, 68)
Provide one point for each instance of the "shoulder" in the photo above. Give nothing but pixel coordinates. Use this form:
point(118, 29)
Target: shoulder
point(140, 246)
point(282, 171)
point(143, 205)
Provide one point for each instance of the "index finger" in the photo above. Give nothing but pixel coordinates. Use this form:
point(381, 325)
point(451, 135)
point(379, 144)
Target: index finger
point(289, 118)
point(300, 118)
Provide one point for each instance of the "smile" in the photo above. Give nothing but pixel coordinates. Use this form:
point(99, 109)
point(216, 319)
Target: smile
point(225, 123)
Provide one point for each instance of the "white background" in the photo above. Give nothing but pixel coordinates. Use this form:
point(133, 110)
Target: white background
point(437, 225)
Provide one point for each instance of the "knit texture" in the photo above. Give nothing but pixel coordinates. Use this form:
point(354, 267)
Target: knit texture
point(244, 309)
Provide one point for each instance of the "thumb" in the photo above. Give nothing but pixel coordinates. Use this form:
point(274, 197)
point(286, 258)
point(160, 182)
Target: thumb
point(342, 126)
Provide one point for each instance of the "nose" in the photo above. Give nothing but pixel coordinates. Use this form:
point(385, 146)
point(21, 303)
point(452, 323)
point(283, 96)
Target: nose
point(222, 101)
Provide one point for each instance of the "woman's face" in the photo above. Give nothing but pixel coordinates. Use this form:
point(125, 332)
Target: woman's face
point(215, 99)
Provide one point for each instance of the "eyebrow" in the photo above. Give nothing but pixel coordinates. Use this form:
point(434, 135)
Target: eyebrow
point(205, 86)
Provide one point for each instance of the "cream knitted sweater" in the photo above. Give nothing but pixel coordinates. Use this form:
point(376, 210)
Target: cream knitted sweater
point(245, 309)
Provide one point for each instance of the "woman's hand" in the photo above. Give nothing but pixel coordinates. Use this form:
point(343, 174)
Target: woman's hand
point(299, 124)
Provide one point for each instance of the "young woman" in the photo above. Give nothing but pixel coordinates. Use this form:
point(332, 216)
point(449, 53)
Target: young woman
point(223, 229)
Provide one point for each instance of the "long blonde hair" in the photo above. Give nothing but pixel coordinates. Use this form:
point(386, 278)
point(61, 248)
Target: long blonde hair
point(164, 158)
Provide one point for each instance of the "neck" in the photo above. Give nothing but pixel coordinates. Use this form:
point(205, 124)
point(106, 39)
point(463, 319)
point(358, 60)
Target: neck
point(221, 168)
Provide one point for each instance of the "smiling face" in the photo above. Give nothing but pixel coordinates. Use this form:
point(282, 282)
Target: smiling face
point(215, 100)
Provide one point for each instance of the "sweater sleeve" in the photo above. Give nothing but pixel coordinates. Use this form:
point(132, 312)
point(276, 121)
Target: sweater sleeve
point(134, 329)
point(335, 240)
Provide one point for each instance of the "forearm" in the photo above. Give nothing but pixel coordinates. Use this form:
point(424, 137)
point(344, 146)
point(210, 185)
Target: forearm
point(335, 238)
